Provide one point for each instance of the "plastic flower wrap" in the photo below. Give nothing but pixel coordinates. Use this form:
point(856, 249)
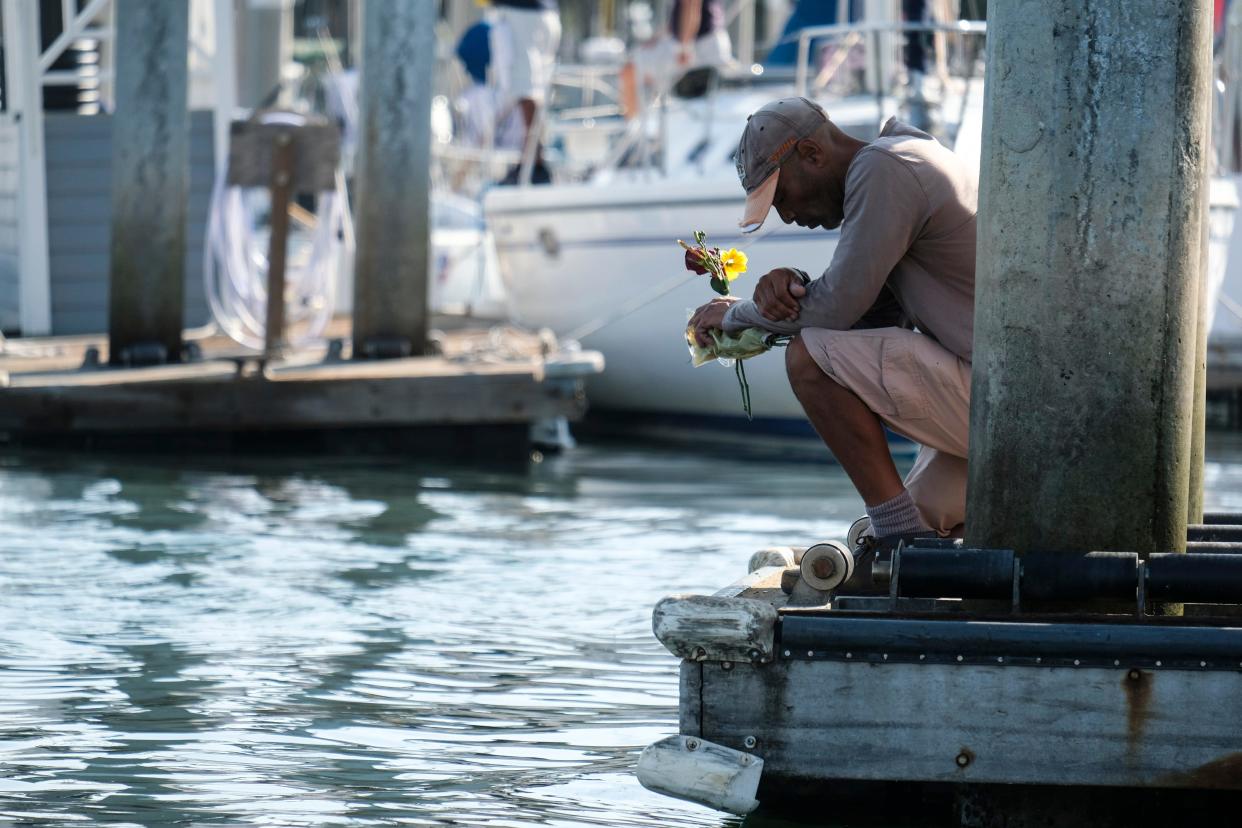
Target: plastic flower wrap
point(730, 349)
point(750, 342)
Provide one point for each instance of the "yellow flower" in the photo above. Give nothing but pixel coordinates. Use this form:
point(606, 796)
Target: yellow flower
point(734, 263)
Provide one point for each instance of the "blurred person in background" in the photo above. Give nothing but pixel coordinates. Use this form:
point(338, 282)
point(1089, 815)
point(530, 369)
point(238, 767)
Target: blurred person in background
point(696, 37)
point(486, 120)
point(698, 31)
point(525, 36)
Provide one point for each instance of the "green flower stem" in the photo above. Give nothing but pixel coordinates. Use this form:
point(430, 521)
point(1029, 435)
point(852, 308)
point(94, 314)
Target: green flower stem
point(740, 370)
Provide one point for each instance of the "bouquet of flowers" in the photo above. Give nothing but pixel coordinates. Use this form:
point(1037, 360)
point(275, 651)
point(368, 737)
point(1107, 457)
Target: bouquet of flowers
point(722, 267)
point(729, 349)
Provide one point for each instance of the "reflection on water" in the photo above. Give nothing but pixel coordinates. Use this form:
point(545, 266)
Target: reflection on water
point(319, 642)
point(302, 642)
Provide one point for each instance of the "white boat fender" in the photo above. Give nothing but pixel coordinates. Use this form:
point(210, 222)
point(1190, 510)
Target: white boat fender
point(694, 769)
point(782, 556)
point(716, 628)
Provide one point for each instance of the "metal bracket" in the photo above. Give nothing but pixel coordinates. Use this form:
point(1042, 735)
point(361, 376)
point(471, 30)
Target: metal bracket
point(1141, 590)
point(1017, 585)
point(143, 355)
point(894, 572)
point(386, 347)
point(805, 595)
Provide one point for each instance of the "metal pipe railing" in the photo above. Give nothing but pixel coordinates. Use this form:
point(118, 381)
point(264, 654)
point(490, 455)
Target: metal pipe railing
point(838, 29)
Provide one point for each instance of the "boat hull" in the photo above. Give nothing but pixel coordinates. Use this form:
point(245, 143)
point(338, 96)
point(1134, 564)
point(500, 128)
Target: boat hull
point(609, 274)
point(600, 264)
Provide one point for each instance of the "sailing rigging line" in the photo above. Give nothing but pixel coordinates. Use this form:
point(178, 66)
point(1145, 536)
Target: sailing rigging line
point(646, 298)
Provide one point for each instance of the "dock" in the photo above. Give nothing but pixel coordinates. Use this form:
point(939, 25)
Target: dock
point(478, 395)
point(1075, 657)
point(937, 681)
point(384, 377)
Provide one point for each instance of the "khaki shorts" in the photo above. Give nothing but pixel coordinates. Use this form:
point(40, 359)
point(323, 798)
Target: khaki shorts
point(921, 391)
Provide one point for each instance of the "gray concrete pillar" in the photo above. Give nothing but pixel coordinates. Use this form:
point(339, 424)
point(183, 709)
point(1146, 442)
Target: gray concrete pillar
point(150, 179)
point(393, 177)
point(1095, 146)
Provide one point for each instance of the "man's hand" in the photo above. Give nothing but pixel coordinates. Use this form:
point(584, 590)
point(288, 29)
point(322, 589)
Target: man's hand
point(708, 318)
point(777, 294)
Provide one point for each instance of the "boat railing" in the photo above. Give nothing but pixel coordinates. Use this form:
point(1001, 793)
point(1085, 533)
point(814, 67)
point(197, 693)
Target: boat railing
point(596, 118)
point(592, 81)
point(881, 39)
point(598, 128)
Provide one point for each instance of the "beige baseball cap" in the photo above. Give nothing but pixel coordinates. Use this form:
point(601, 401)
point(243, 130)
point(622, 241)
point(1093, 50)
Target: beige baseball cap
point(769, 138)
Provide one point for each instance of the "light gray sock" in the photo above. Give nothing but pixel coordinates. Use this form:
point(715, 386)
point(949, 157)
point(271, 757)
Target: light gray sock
point(898, 516)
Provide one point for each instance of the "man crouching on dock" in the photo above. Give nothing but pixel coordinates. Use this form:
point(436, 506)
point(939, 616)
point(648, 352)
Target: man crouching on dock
point(884, 334)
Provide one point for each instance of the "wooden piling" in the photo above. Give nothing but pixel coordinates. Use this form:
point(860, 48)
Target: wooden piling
point(1095, 146)
point(393, 178)
point(150, 181)
point(281, 187)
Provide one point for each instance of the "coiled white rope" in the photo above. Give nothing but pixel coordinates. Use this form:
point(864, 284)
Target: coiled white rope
point(235, 260)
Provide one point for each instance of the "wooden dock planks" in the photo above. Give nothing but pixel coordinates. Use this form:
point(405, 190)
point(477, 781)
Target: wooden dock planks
point(230, 392)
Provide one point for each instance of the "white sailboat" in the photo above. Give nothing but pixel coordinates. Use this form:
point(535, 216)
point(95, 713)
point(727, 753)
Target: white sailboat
point(596, 260)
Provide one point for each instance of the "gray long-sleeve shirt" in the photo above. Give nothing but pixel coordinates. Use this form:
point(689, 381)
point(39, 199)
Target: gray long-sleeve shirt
point(909, 223)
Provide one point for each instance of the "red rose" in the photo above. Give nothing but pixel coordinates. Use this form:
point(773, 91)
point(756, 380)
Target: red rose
point(694, 261)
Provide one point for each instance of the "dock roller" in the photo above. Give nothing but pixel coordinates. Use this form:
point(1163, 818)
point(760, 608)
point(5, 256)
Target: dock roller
point(825, 566)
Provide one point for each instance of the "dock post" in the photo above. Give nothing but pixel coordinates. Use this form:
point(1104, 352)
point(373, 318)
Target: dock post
point(150, 181)
point(281, 189)
point(1095, 146)
point(393, 175)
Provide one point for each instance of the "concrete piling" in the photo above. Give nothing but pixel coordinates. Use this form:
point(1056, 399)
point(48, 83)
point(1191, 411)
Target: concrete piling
point(150, 181)
point(393, 178)
point(1095, 146)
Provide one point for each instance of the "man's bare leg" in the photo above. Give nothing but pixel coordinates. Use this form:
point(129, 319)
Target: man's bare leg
point(855, 436)
point(528, 108)
point(532, 148)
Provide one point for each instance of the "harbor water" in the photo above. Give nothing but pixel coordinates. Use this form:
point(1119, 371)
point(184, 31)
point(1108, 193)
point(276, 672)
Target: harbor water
point(294, 641)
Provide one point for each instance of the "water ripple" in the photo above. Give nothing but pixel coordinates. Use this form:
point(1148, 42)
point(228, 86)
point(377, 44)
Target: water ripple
point(334, 643)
